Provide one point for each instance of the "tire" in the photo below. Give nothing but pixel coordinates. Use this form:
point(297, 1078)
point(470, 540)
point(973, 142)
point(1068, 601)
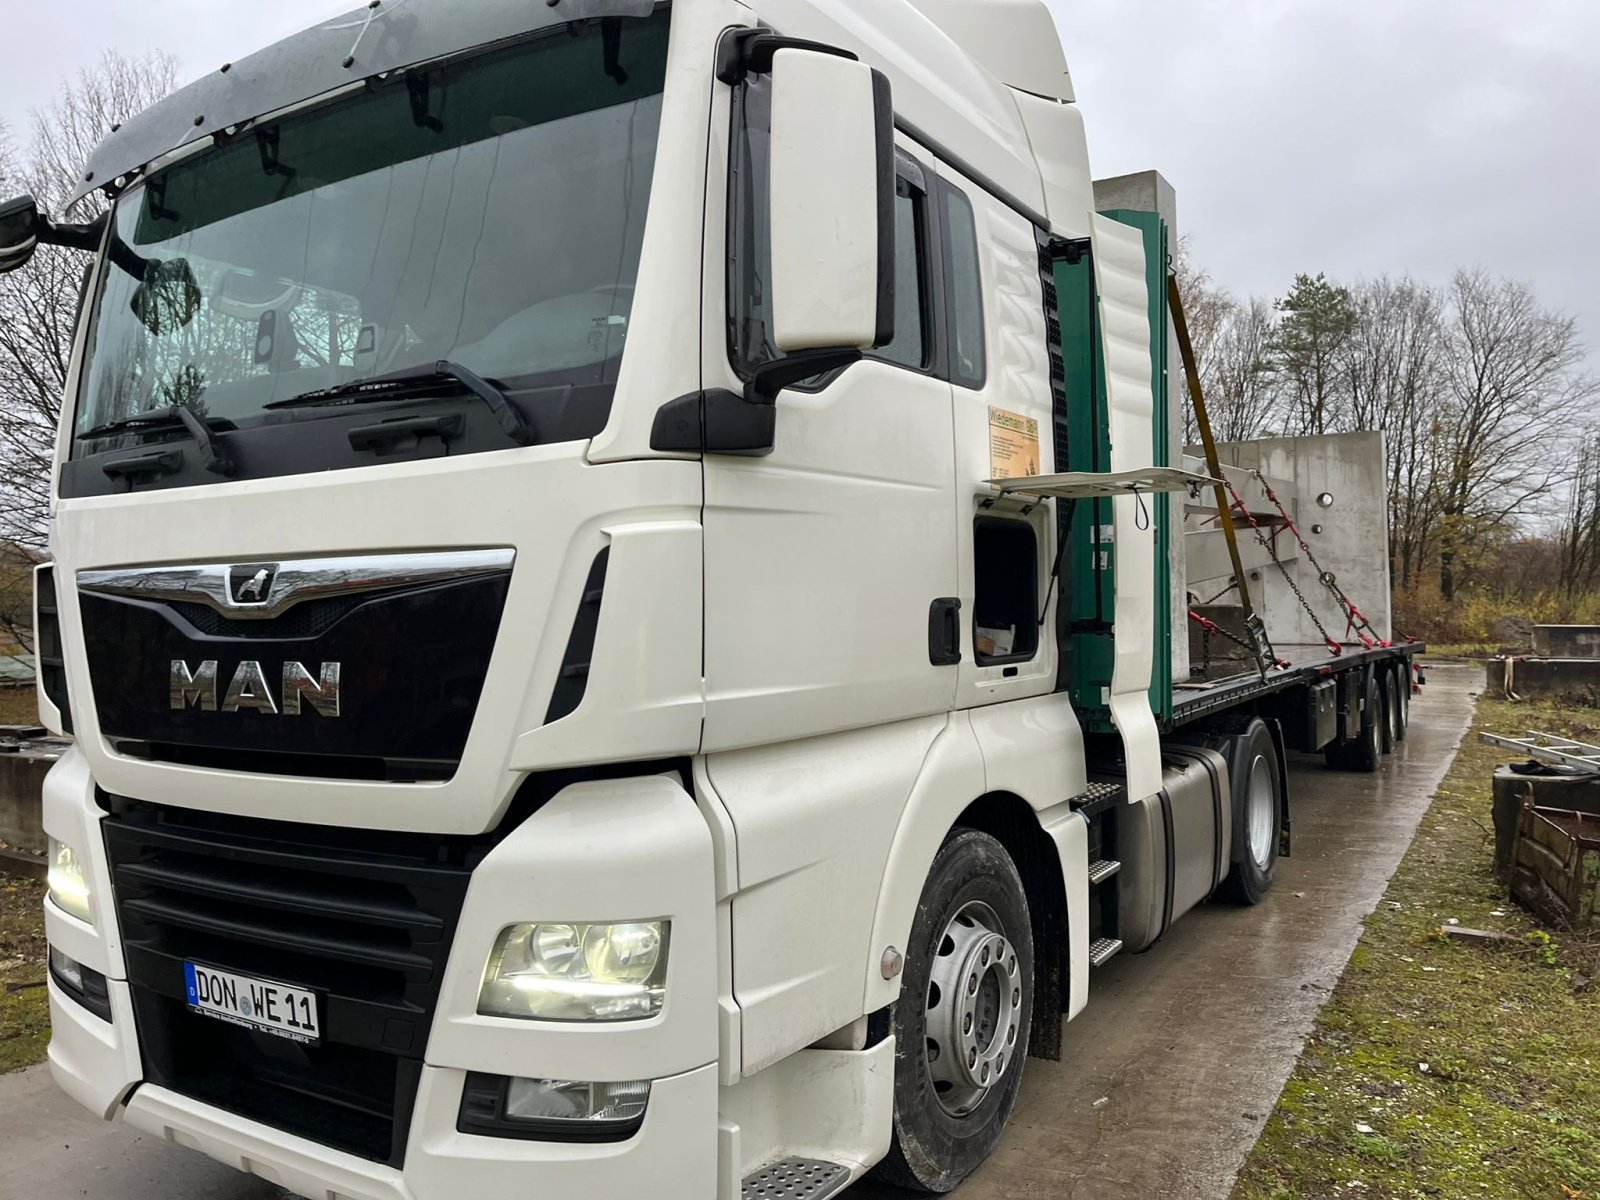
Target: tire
point(971, 936)
point(1256, 779)
point(1402, 716)
point(1365, 753)
point(1387, 707)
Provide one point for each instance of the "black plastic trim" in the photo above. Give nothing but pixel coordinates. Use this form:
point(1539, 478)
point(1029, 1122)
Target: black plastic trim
point(388, 436)
point(716, 421)
point(1172, 864)
point(883, 112)
point(483, 1102)
point(573, 680)
point(49, 647)
point(745, 52)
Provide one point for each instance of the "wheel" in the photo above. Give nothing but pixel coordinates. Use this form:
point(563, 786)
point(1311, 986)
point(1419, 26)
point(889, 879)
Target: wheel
point(1387, 706)
point(963, 1018)
point(1257, 781)
point(1365, 753)
point(1402, 691)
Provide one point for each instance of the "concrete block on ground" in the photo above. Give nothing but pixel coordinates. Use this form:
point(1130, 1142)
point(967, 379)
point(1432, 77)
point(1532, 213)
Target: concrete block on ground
point(1570, 680)
point(1567, 641)
point(22, 797)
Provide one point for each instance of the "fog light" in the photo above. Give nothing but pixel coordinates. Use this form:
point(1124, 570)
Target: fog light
point(84, 984)
point(570, 1100)
point(69, 971)
point(573, 972)
point(552, 1110)
point(67, 884)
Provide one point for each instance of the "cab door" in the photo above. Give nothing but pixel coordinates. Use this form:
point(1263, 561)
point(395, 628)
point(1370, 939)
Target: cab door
point(825, 557)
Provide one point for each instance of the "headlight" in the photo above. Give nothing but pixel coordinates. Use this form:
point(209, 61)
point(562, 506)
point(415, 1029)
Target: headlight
point(568, 972)
point(68, 886)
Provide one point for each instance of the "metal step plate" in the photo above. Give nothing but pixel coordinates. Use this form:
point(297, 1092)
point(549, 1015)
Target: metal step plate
point(796, 1179)
point(1102, 870)
point(1103, 950)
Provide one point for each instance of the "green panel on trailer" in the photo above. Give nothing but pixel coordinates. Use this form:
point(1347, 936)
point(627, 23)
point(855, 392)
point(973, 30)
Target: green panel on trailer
point(1090, 550)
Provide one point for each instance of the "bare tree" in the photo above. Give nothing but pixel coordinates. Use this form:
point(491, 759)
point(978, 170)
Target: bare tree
point(1394, 378)
point(1515, 391)
point(1207, 308)
point(39, 304)
point(1242, 390)
point(1580, 530)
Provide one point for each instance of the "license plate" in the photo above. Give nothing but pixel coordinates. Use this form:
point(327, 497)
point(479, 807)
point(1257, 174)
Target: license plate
point(275, 1008)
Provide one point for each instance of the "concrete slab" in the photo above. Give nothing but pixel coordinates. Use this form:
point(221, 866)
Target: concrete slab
point(1188, 1045)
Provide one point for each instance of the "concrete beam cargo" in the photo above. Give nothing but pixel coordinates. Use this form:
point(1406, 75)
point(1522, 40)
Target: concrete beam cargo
point(607, 659)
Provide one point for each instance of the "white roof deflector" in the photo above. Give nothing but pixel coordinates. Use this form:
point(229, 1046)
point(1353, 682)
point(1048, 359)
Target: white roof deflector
point(1082, 485)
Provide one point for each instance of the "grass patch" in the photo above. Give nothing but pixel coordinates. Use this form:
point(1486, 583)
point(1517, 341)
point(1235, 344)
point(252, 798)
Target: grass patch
point(1438, 1069)
point(18, 706)
point(24, 1007)
point(1462, 650)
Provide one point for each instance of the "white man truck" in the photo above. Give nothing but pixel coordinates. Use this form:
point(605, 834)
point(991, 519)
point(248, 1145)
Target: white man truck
point(619, 582)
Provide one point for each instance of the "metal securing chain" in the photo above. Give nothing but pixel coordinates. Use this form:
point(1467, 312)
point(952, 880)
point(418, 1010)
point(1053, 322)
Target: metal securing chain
point(1334, 646)
point(1209, 628)
point(1356, 621)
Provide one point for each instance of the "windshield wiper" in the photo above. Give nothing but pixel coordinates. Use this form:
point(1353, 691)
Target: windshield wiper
point(212, 451)
point(385, 387)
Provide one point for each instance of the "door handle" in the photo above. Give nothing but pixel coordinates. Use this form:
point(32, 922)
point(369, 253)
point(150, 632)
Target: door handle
point(944, 632)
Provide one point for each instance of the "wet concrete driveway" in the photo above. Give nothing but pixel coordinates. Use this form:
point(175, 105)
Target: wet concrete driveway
point(1167, 1078)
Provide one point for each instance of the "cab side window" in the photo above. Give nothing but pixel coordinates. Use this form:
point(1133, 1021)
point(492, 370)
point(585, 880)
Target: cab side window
point(968, 359)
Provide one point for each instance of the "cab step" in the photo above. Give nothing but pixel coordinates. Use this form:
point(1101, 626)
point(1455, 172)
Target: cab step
point(1103, 950)
point(1102, 870)
point(796, 1179)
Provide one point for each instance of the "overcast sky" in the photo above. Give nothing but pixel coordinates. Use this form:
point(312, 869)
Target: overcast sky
point(1349, 136)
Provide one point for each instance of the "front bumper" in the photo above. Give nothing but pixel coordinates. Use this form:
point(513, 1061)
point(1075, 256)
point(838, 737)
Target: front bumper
point(674, 1154)
point(657, 860)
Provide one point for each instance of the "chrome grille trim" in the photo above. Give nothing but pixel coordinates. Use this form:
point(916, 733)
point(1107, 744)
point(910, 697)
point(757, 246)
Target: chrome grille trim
point(296, 580)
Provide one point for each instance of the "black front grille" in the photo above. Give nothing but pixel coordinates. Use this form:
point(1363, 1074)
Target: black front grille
point(311, 619)
point(363, 919)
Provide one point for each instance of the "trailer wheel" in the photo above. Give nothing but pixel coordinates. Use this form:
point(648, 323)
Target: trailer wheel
point(1402, 691)
point(1257, 783)
point(963, 1018)
point(1365, 753)
point(1388, 709)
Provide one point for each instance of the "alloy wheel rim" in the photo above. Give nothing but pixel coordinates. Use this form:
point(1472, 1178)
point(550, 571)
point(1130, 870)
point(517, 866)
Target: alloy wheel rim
point(1258, 803)
point(974, 1009)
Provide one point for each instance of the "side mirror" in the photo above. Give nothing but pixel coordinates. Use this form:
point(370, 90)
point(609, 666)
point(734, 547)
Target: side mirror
point(833, 194)
point(20, 227)
point(167, 297)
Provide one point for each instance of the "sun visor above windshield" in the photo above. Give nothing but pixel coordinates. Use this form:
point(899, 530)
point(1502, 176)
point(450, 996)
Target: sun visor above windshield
point(389, 34)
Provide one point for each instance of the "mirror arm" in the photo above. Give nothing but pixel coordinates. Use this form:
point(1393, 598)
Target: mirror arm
point(750, 52)
point(74, 237)
point(771, 378)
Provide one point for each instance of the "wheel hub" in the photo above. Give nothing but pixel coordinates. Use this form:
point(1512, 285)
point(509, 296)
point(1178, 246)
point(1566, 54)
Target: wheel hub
point(973, 1008)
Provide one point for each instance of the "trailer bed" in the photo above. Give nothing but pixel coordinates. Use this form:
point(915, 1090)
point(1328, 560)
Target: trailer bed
point(1202, 698)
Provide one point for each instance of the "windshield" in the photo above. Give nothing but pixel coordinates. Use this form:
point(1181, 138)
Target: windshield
point(489, 212)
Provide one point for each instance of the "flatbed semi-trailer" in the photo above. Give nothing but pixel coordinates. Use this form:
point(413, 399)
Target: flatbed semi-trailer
point(629, 599)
